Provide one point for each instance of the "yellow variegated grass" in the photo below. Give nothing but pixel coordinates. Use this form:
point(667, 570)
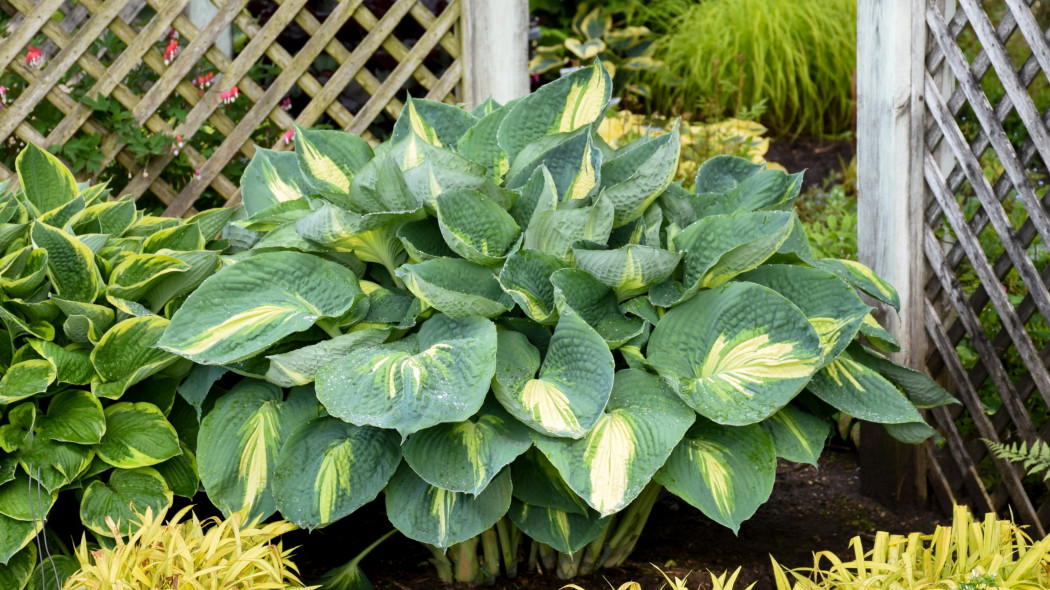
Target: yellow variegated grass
point(189, 555)
point(726, 581)
point(953, 556)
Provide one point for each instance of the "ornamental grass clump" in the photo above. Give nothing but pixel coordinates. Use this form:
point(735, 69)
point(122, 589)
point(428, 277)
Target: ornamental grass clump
point(515, 331)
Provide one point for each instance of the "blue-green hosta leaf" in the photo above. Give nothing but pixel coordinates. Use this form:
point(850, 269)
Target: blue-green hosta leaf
point(877, 336)
point(290, 291)
point(239, 441)
point(761, 190)
point(127, 494)
point(26, 379)
point(270, 178)
point(457, 288)
point(797, 436)
point(574, 382)
point(180, 473)
point(725, 471)
point(440, 375)
point(636, 177)
point(480, 143)
point(555, 231)
point(391, 306)
point(20, 499)
point(465, 456)
point(475, 227)
point(138, 273)
point(642, 423)
point(439, 517)
point(300, 366)
point(567, 532)
point(72, 363)
point(860, 277)
point(526, 277)
point(564, 105)
point(573, 160)
point(381, 188)
point(328, 469)
point(73, 416)
point(211, 221)
point(328, 160)
point(538, 483)
point(126, 355)
point(629, 270)
point(912, 433)
point(18, 568)
point(423, 240)
point(830, 305)
point(47, 183)
point(429, 171)
point(724, 173)
point(596, 304)
point(137, 435)
point(70, 264)
point(201, 264)
point(437, 123)
point(278, 214)
point(735, 354)
point(922, 391)
point(15, 536)
point(862, 392)
point(538, 194)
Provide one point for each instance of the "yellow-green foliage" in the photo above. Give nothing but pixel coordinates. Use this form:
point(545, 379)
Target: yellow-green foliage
point(726, 581)
point(189, 555)
point(968, 555)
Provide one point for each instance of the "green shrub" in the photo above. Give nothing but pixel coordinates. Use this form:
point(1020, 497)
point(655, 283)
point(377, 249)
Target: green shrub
point(87, 284)
point(514, 329)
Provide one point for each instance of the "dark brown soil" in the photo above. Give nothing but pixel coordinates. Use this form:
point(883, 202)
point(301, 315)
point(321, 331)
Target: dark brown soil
point(819, 158)
point(810, 510)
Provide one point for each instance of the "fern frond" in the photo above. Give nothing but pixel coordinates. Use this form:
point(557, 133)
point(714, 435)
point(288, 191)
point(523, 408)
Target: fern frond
point(1035, 458)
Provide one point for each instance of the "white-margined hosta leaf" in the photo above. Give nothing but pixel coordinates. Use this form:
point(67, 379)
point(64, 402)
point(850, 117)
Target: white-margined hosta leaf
point(573, 160)
point(70, 264)
point(555, 231)
point(639, 428)
point(290, 291)
point(16, 535)
point(18, 568)
point(538, 483)
point(526, 276)
point(860, 277)
point(300, 366)
point(127, 494)
point(26, 379)
point(137, 435)
point(566, 532)
point(725, 471)
point(328, 160)
point(797, 436)
point(437, 123)
point(126, 355)
point(862, 392)
point(465, 456)
point(830, 305)
point(564, 105)
point(574, 382)
point(439, 375)
point(735, 354)
point(19, 499)
point(239, 440)
point(73, 416)
point(457, 288)
point(272, 177)
point(629, 270)
point(439, 517)
point(596, 304)
point(328, 468)
point(636, 176)
point(475, 227)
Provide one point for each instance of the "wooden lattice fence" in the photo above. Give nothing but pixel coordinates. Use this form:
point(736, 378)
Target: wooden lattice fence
point(954, 207)
point(348, 64)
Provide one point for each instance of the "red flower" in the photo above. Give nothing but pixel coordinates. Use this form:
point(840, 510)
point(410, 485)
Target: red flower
point(34, 57)
point(230, 95)
point(287, 137)
point(171, 52)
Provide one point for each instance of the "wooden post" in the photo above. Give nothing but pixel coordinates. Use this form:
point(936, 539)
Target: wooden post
point(495, 50)
point(891, 46)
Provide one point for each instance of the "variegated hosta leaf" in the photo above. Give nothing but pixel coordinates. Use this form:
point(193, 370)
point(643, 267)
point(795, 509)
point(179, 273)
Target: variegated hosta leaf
point(538, 194)
point(877, 336)
point(725, 471)
point(19, 499)
point(639, 174)
point(440, 375)
point(477, 228)
point(16, 325)
point(423, 240)
point(566, 532)
point(18, 568)
point(85, 323)
point(70, 264)
point(730, 184)
point(239, 441)
point(574, 382)
point(629, 270)
point(830, 305)
point(72, 363)
point(735, 354)
point(457, 288)
point(573, 160)
point(526, 277)
point(465, 456)
point(138, 273)
point(437, 123)
point(26, 379)
point(201, 264)
point(585, 50)
point(564, 105)
point(723, 173)
point(290, 291)
point(439, 517)
point(270, 178)
point(73, 416)
point(137, 435)
point(922, 391)
point(555, 231)
point(47, 183)
point(126, 495)
point(538, 483)
point(860, 277)
point(797, 436)
point(183, 237)
point(596, 304)
point(126, 354)
point(278, 214)
point(861, 392)
point(23, 272)
point(480, 144)
point(328, 160)
point(639, 428)
point(328, 469)
point(180, 473)
point(14, 536)
point(300, 366)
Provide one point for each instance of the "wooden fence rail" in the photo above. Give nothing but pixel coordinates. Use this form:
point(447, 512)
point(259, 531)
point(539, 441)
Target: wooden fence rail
point(348, 68)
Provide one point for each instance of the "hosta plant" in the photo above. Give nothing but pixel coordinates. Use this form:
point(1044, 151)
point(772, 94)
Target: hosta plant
point(510, 328)
point(86, 287)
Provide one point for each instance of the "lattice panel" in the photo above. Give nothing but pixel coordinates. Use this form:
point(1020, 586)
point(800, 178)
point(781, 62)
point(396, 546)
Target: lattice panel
point(349, 68)
point(987, 229)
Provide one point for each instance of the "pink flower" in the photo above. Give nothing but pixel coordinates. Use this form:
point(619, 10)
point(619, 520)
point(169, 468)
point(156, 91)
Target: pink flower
point(286, 104)
point(34, 57)
point(287, 137)
point(176, 145)
point(3, 95)
point(204, 81)
point(197, 174)
point(171, 52)
point(230, 95)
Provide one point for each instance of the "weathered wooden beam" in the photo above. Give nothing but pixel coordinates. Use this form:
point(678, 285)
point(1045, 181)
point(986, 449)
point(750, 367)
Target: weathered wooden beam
point(496, 47)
